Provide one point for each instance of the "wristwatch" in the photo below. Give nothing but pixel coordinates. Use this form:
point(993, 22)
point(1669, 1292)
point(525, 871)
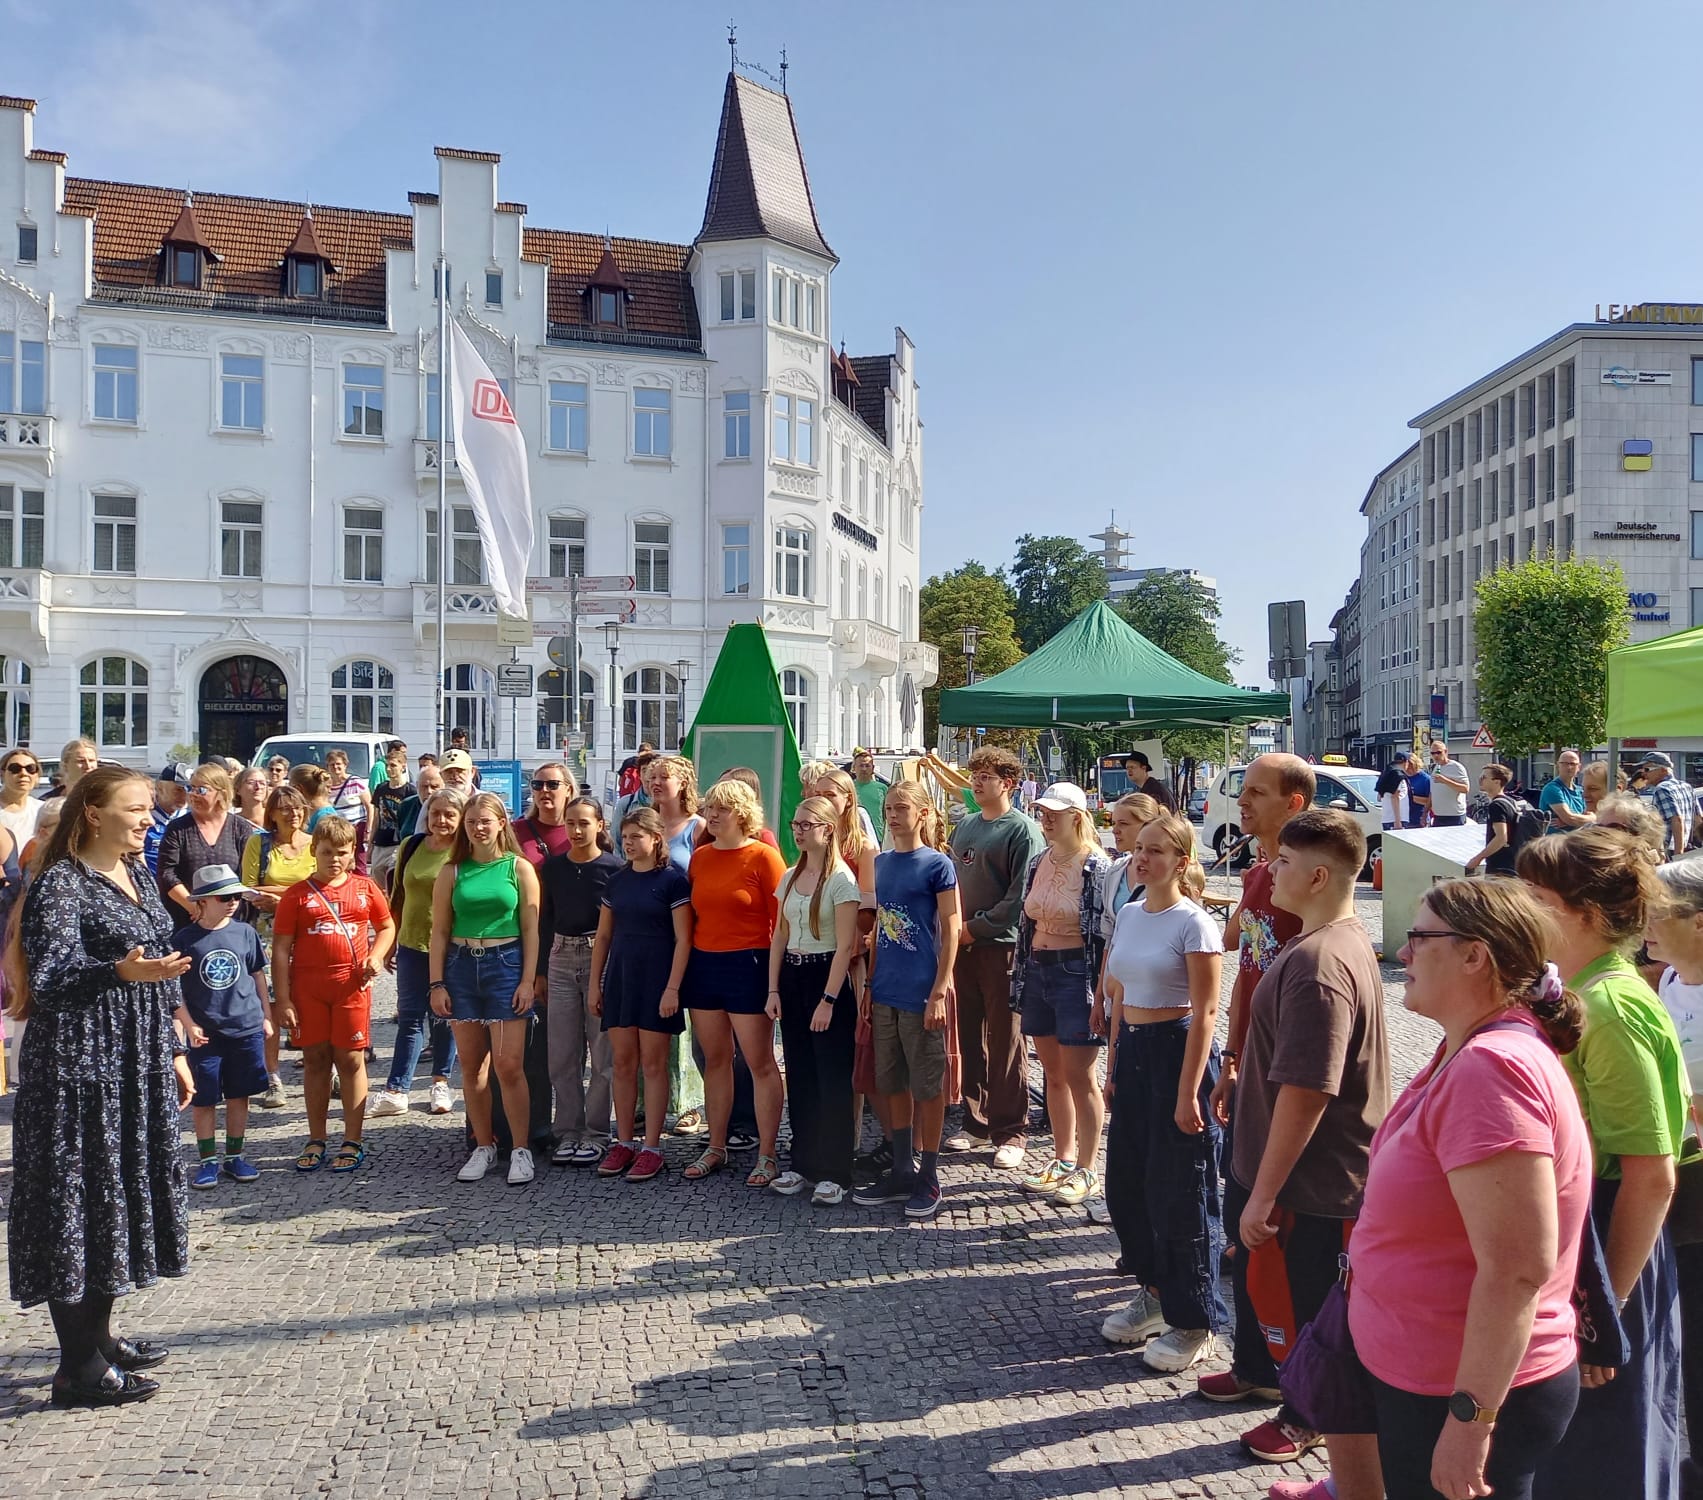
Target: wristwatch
point(1465, 1408)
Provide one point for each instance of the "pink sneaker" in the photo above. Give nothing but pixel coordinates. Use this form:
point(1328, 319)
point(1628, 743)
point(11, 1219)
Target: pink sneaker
point(1277, 1442)
point(646, 1165)
point(616, 1160)
point(1302, 1489)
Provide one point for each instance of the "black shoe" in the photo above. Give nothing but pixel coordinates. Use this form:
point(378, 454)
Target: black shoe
point(877, 1160)
point(137, 1354)
point(886, 1189)
point(114, 1388)
point(741, 1140)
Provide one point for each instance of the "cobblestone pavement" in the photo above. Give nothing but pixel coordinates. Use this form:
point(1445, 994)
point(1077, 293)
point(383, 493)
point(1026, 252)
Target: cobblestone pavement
point(394, 1331)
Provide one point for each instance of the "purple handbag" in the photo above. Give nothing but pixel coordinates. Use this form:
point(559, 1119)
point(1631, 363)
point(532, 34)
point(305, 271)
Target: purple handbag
point(1323, 1382)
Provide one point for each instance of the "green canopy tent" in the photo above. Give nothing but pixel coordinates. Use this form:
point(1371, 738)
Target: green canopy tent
point(1655, 688)
point(742, 721)
point(1101, 673)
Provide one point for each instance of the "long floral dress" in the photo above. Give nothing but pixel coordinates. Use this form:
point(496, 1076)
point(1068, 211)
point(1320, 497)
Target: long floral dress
point(99, 1200)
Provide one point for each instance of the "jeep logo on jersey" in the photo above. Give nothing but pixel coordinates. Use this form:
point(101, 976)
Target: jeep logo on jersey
point(490, 403)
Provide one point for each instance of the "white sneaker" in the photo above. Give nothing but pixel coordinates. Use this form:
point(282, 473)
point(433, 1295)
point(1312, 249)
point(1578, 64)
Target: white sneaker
point(387, 1102)
point(1134, 1324)
point(1009, 1157)
point(520, 1167)
point(478, 1164)
point(828, 1194)
point(1179, 1349)
point(440, 1098)
point(789, 1183)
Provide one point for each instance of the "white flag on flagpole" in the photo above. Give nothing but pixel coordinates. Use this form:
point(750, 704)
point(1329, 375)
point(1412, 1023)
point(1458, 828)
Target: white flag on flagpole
point(490, 453)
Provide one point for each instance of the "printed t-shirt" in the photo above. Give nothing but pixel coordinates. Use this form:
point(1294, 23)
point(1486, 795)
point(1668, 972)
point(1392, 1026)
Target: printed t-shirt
point(907, 925)
point(387, 811)
point(642, 903)
point(1505, 1090)
point(733, 896)
point(418, 877)
point(1502, 810)
point(1447, 801)
point(1265, 929)
point(841, 890)
point(327, 950)
point(1627, 1067)
point(1684, 1003)
point(1149, 952)
point(1558, 793)
point(572, 893)
point(1316, 1021)
point(218, 987)
point(989, 858)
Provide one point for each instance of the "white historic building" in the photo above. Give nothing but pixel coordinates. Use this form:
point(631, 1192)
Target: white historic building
point(218, 459)
point(1385, 664)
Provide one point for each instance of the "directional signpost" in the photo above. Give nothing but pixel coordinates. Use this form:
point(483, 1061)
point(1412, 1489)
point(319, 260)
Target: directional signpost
point(514, 679)
point(588, 594)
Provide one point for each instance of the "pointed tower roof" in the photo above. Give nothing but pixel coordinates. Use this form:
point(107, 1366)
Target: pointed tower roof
point(187, 230)
point(306, 245)
point(758, 186)
point(608, 275)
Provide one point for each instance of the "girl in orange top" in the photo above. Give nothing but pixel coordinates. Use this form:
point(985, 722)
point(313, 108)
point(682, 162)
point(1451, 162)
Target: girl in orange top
point(734, 881)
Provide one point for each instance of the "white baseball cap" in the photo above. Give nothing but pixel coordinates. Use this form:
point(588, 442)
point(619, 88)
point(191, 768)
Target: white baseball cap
point(1062, 796)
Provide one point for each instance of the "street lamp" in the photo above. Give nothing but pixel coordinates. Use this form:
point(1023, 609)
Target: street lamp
point(682, 670)
point(971, 636)
point(612, 639)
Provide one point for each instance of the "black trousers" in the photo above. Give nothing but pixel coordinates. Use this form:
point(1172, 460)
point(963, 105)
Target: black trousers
point(1688, 1260)
point(1531, 1423)
point(818, 1071)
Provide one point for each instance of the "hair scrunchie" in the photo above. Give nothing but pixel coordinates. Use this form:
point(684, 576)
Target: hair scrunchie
point(1547, 991)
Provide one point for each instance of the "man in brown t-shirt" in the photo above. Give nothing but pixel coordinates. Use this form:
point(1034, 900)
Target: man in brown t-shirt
point(1315, 1084)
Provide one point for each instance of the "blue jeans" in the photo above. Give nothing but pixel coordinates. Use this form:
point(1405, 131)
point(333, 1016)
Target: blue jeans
point(482, 983)
point(413, 1016)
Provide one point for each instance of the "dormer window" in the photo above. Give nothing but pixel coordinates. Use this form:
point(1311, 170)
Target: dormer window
point(184, 252)
point(608, 309)
point(306, 265)
point(305, 278)
point(607, 291)
point(184, 267)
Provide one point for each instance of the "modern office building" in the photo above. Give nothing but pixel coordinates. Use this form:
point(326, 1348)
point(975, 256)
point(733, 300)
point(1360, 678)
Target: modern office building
point(1385, 664)
point(1115, 556)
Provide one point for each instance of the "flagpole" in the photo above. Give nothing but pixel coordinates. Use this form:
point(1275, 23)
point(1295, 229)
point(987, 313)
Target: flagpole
point(443, 487)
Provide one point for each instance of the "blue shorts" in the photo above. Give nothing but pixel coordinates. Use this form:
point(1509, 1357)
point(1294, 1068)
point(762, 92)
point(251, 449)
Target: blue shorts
point(1058, 992)
point(482, 982)
point(228, 1067)
point(737, 982)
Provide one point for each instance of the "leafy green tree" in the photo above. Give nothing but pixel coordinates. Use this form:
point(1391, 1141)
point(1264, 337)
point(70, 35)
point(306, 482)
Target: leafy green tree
point(1054, 579)
point(1545, 629)
point(1181, 618)
point(969, 595)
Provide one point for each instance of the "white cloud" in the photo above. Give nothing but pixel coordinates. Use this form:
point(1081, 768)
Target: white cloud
point(209, 95)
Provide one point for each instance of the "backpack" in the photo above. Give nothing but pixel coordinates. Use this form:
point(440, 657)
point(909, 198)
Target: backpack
point(1529, 823)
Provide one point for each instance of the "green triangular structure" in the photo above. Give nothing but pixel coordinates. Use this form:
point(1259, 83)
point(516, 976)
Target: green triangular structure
point(742, 721)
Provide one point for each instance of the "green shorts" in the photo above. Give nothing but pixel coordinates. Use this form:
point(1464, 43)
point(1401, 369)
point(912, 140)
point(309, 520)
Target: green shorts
point(909, 1058)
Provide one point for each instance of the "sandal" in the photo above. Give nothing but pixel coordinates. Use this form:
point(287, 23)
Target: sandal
point(349, 1156)
point(764, 1173)
point(713, 1160)
point(312, 1157)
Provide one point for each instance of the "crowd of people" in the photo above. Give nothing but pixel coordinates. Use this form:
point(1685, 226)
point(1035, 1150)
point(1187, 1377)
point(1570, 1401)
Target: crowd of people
point(1478, 1285)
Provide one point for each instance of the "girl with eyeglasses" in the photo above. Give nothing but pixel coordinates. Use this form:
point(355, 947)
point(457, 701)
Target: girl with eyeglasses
point(20, 772)
point(811, 995)
point(207, 833)
point(351, 800)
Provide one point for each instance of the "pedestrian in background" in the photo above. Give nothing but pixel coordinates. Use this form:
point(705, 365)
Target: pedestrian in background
point(389, 790)
point(76, 759)
point(1562, 800)
point(1674, 801)
point(350, 800)
point(871, 791)
point(20, 773)
point(208, 833)
point(1418, 792)
point(1449, 788)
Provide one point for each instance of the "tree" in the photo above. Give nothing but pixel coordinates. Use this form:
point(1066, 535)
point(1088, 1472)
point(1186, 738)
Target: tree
point(1545, 629)
point(1181, 618)
point(969, 595)
point(1054, 579)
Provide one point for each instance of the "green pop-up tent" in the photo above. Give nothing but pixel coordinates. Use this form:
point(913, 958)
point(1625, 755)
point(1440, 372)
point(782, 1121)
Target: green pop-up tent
point(742, 721)
point(1655, 688)
point(1099, 672)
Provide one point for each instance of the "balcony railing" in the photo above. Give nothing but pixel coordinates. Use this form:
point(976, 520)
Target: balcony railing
point(23, 435)
point(426, 453)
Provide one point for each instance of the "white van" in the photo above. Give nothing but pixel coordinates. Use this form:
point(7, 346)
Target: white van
point(1348, 788)
point(364, 750)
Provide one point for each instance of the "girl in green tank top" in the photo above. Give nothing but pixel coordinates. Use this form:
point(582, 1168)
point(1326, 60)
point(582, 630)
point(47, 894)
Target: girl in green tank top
point(487, 899)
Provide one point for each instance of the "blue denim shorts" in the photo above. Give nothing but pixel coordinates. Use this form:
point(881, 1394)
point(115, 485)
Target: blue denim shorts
point(482, 982)
point(1058, 992)
point(228, 1067)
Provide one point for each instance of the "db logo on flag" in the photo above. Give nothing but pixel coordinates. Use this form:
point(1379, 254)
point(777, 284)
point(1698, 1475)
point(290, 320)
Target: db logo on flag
point(490, 403)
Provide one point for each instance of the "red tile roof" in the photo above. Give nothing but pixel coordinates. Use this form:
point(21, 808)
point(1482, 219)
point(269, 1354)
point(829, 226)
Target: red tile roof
point(58, 158)
point(186, 230)
point(11, 101)
point(456, 153)
point(306, 245)
point(659, 288)
point(759, 188)
point(608, 275)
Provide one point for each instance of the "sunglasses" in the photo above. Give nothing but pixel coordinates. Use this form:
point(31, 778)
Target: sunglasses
point(201, 791)
point(18, 768)
point(548, 786)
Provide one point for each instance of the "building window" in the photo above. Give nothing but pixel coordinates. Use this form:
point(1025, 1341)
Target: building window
point(1567, 465)
point(795, 430)
point(846, 475)
point(115, 383)
point(812, 316)
point(795, 697)
point(1697, 457)
point(1549, 538)
point(433, 414)
point(1549, 472)
point(862, 592)
point(1477, 517)
point(845, 588)
point(23, 375)
point(115, 534)
point(1443, 441)
point(363, 401)
point(363, 544)
point(239, 538)
point(363, 699)
point(1569, 390)
point(793, 546)
point(555, 710)
point(568, 428)
point(1531, 542)
point(1697, 607)
point(1530, 478)
point(1547, 400)
point(863, 489)
point(306, 278)
point(780, 297)
point(1443, 579)
point(1475, 434)
point(183, 266)
point(15, 679)
point(467, 552)
point(650, 709)
point(738, 296)
point(470, 703)
point(736, 424)
point(651, 410)
point(880, 501)
point(736, 558)
point(113, 707)
point(1528, 408)
point(26, 248)
point(23, 526)
point(1491, 435)
point(1567, 535)
point(880, 597)
point(904, 620)
point(493, 289)
point(567, 547)
point(242, 392)
point(1697, 382)
point(650, 556)
point(1697, 534)
point(606, 307)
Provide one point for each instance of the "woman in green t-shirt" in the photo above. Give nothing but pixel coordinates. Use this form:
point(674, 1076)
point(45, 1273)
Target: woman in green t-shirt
point(1599, 885)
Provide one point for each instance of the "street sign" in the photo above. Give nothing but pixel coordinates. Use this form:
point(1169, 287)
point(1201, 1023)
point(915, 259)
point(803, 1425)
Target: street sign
point(572, 741)
point(612, 583)
point(514, 679)
point(547, 629)
point(504, 778)
point(549, 585)
point(1484, 739)
point(514, 630)
point(596, 605)
point(557, 650)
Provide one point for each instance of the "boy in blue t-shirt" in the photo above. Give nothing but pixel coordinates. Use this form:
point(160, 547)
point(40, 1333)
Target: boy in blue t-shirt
point(904, 998)
point(224, 1017)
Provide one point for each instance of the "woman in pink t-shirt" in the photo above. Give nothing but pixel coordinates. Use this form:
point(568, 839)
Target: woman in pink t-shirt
point(1466, 1248)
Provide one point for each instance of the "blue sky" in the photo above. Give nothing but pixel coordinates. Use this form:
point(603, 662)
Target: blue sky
point(1195, 264)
